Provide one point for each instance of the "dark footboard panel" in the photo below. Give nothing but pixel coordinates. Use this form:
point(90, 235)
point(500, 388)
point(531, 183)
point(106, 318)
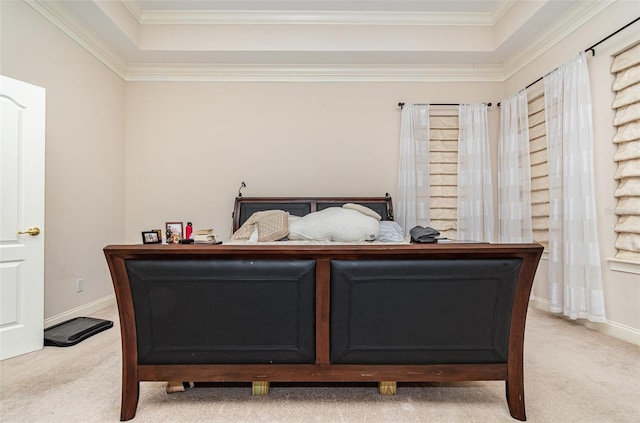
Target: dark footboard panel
point(421, 311)
point(224, 311)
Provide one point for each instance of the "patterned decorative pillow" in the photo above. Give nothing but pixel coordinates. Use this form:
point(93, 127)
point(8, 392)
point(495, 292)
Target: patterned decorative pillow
point(273, 227)
point(245, 231)
point(250, 225)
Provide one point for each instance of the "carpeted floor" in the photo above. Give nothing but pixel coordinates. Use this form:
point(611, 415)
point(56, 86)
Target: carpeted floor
point(572, 374)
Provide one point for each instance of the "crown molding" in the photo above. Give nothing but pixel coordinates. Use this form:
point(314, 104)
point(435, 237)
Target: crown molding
point(313, 73)
point(502, 8)
point(580, 14)
point(53, 12)
point(311, 17)
point(134, 9)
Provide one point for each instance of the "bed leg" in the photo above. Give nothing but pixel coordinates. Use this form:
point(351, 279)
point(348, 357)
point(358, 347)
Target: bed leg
point(515, 399)
point(260, 387)
point(173, 386)
point(130, 396)
point(387, 387)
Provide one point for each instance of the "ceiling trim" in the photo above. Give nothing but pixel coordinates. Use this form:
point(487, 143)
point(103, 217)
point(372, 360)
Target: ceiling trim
point(67, 25)
point(134, 9)
point(319, 73)
point(502, 8)
point(262, 73)
point(313, 73)
point(311, 17)
point(580, 14)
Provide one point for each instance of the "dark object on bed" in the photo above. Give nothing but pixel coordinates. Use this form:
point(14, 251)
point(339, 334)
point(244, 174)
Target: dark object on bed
point(300, 206)
point(322, 313)
point(423, 235)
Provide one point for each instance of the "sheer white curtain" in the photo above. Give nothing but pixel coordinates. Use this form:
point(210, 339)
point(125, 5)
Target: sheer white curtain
point(475, 188)
point(575, 275)
point(514, 171)
point(412, 202)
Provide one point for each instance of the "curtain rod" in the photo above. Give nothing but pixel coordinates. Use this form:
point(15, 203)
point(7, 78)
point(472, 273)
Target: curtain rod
point(401, 104)
point(590, 49)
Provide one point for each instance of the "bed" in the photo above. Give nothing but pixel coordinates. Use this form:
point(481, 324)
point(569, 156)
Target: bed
point(359, 312)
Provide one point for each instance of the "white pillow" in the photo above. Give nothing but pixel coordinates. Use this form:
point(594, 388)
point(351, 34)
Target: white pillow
point(390, 231)
point(363, 209)
point(334, 224)
point(293, 217)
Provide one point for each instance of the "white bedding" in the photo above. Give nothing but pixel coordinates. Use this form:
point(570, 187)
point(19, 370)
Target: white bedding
point(334, 224)
point(349, 224)
point(406, 240)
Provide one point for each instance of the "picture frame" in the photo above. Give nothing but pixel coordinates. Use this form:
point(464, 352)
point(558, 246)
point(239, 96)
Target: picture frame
point(151, 237)
point(173, 229)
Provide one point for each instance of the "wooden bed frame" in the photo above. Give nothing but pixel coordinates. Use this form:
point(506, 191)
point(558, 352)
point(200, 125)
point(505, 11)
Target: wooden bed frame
point(309, 311)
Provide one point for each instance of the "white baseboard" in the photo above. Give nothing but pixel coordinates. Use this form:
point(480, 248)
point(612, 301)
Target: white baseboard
point(614, 329)
point(83, 310)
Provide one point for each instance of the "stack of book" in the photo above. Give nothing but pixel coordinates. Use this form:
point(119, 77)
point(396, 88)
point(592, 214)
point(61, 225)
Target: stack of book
point(204, 236)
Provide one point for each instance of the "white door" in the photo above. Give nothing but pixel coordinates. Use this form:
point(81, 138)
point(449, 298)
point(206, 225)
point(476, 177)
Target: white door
point(22, 117)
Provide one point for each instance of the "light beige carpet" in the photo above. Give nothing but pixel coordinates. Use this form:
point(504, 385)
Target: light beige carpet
point(572, 374)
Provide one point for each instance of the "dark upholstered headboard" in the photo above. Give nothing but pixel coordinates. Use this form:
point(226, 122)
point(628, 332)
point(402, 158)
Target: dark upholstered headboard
point(299, 206)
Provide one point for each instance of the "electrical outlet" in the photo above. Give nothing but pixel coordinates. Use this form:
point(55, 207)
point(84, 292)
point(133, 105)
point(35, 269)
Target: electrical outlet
point(79, 285)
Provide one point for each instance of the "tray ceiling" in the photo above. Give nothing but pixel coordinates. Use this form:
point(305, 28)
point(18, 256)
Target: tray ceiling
point(279, 39)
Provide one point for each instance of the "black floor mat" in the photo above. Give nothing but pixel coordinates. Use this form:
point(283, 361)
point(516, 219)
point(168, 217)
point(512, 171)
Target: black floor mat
point(73, 331)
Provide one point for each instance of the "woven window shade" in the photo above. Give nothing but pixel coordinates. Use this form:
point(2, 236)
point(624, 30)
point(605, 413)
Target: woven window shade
point(539, 171)
point(443, 172)
point(421, 137)
point(626, 68)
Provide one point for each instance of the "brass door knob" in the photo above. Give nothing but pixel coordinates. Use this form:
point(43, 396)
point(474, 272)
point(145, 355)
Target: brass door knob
point(33, 231)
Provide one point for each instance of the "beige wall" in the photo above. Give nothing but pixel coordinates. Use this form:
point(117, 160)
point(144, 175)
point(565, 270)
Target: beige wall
point(84, 200)
point(190, 145)
point(126, 157)
point(622, 290)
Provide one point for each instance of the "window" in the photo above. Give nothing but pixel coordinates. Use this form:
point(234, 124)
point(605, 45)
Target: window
point(443, 170)
point(444, 127)
point(626, 68)
point(539, 171)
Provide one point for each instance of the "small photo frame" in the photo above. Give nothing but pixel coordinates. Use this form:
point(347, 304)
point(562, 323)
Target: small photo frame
point(151, 237)
point(173, 229)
